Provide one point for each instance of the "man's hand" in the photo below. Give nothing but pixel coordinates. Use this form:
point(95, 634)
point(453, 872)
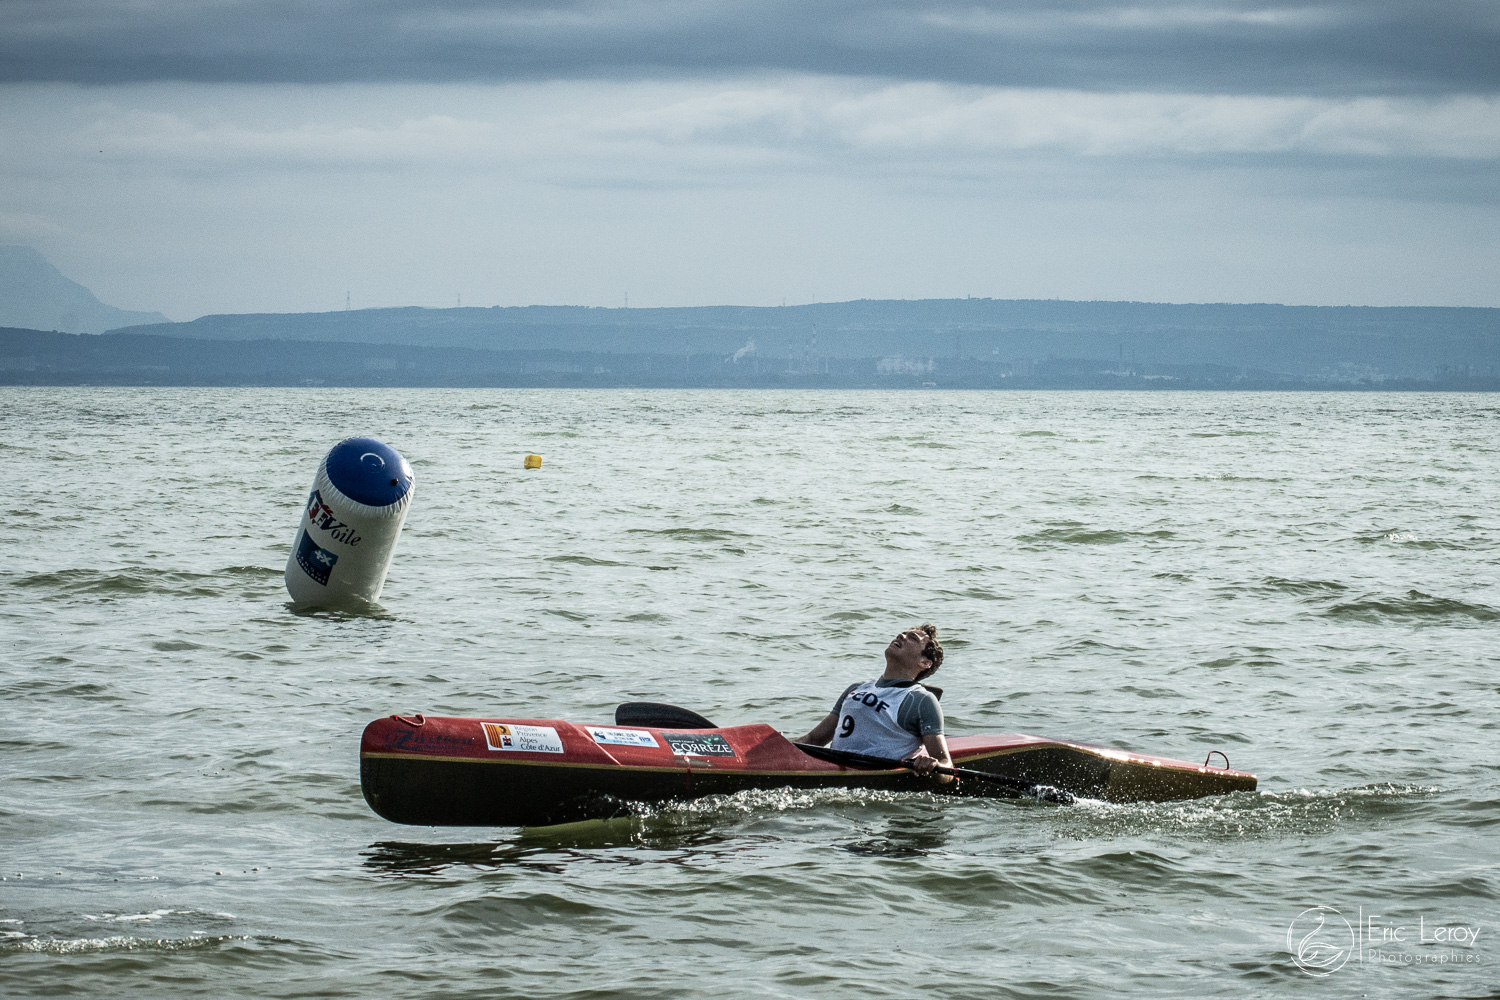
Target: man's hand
point(923, 764)
point(933, 753)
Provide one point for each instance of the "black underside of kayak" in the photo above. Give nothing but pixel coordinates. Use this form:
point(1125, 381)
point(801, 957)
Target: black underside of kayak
point(430, 792)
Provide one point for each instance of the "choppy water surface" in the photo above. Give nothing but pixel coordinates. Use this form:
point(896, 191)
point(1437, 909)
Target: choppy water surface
point(1308, 582)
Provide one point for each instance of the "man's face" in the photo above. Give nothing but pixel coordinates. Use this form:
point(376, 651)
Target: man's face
point(905, 650)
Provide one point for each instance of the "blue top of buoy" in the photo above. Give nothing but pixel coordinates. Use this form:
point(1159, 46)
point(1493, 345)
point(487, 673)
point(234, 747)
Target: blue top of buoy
point(368, 471)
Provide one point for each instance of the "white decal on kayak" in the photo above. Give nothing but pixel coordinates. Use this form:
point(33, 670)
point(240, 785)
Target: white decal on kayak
point(532, 739)
point(700, 746)
point(622, 737)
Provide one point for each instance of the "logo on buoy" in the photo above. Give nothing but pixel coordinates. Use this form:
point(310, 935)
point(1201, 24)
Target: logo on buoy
point(316, 562)
point(321, 516)
point(1320, 941)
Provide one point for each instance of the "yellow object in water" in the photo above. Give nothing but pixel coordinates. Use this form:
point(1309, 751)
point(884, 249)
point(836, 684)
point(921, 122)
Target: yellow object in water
point(532, 462)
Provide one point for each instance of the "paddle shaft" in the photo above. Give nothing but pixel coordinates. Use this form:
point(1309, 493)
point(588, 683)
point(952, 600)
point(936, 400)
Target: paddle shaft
point(850, 757)
point(653, 715)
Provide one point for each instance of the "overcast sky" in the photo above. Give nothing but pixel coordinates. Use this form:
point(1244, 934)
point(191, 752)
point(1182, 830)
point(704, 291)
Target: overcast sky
point(197, 156)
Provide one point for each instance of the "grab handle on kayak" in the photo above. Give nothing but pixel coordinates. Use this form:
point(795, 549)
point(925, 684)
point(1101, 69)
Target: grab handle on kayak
point(416, 721)
point(1210, 757)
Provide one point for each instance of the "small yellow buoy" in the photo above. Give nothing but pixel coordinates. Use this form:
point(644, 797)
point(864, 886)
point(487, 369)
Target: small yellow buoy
point(532, 462)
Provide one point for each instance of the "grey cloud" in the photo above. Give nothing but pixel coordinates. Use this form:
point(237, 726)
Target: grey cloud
point(1330, 48)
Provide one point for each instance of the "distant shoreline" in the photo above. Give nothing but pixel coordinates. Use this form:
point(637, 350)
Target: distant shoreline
point(43, 358)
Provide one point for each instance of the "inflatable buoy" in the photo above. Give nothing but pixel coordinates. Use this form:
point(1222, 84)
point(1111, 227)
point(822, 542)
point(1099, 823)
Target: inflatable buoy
point(350, 524)
point(532, 462)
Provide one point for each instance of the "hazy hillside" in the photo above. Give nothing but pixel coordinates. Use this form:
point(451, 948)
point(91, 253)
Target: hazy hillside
point(31, 357)
point(35, 294)
point(1304, 341)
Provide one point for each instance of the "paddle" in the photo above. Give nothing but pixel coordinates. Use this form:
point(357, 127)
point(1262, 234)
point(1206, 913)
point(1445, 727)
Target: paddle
point(1044, 793)
point(655, 715)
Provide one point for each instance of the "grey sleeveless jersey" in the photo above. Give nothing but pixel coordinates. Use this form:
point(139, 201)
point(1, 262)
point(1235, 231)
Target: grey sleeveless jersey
point(886, 720)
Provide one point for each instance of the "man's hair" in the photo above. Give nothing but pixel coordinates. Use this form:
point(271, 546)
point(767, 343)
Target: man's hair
point(932, 651)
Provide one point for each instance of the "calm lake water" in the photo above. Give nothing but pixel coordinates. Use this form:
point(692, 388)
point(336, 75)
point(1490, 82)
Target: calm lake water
point(1305, 581)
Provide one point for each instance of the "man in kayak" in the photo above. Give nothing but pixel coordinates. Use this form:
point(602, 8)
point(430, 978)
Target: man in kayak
point(894, 715)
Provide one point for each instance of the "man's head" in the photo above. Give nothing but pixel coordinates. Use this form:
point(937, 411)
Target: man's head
point(915, 653)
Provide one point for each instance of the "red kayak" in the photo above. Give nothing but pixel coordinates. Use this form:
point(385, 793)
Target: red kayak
point(436, 771)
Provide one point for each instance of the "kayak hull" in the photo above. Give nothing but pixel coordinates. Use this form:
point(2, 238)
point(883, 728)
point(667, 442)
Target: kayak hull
point(433, 771)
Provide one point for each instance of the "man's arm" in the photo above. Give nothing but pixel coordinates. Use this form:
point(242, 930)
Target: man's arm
point(822, 733)
point(922, 716)
point(934, 753)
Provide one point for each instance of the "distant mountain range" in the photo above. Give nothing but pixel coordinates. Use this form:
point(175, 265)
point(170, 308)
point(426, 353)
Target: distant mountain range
point(1320, 342)
point(29, 357)
point(35, 294)
point(940, 343)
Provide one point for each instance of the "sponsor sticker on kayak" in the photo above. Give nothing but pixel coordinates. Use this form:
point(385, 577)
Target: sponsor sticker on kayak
point(532, 739)
point(699, 745)
point(622, 737)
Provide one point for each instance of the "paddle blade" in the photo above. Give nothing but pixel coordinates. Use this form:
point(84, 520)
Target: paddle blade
point(1049, 793)
point(652, 715)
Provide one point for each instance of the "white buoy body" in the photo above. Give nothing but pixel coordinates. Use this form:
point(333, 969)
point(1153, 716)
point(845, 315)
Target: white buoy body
point(350, 524)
